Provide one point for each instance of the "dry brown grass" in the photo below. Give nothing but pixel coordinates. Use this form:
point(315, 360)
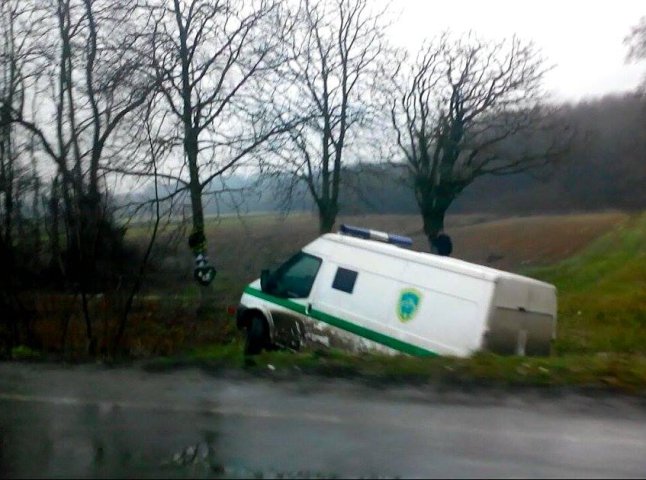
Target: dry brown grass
point(157, 325)
point(242, 248)
point(518, 243)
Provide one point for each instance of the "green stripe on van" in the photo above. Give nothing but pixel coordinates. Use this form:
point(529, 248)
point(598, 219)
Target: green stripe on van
point(344, 324)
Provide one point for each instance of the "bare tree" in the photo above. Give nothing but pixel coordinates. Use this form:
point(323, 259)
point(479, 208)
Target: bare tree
point(8, 325)
point(18, 244)
point(468, 108)
point(89, 75)
point(335, 53)
point(214, 59)
point(636, 43)
point(14, 53)
point(153, 149)
point(9, 84)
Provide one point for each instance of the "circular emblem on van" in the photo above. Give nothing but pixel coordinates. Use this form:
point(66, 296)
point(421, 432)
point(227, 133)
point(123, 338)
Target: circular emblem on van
point(408, 304)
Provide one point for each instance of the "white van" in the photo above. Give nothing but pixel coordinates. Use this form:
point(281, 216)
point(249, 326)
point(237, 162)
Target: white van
point(367, 293)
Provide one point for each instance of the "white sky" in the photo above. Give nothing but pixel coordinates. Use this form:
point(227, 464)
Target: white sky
point(583, 39)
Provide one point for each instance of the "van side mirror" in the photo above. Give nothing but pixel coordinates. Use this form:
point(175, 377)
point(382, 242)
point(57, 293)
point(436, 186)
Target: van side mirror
point(265, 277)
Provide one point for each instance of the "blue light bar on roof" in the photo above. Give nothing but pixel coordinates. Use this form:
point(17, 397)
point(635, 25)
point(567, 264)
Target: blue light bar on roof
point(376, 235)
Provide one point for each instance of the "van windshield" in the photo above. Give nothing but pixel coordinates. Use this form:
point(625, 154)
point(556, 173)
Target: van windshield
point(295, 277)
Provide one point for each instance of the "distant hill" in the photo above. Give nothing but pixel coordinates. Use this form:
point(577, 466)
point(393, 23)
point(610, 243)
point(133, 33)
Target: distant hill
point(605, 168)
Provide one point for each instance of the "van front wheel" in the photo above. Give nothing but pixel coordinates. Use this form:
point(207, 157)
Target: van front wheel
point(257, 335)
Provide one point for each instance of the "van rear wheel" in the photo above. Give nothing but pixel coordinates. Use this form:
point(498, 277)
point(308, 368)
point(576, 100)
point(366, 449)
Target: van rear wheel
point(257, 335)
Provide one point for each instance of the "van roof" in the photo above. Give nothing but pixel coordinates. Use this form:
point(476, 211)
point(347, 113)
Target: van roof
point(445, 263)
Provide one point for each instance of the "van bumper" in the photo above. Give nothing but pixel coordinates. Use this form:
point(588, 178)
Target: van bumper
point(518, 332)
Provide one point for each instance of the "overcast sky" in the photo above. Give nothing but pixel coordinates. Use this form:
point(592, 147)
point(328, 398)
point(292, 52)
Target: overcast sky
point(583, 39)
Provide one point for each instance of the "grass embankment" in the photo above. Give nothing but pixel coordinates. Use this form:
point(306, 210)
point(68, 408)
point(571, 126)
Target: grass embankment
point(602, 293)
point(601, 333)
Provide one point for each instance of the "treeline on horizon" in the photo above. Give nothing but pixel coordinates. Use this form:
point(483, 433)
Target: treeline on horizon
point(603, 168)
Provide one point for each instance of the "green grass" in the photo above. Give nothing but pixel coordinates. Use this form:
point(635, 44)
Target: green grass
point(602, 294)
point(601, 340)
point(619, 372)
point(22, 352)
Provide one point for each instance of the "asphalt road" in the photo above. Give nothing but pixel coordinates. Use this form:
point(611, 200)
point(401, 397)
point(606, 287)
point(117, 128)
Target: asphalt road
point(97, 422)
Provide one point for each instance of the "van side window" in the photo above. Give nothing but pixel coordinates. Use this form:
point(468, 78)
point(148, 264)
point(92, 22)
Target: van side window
point(295, 278)
point(344, 280)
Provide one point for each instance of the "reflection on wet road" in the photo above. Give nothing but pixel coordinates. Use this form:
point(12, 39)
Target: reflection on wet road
point(90, 421)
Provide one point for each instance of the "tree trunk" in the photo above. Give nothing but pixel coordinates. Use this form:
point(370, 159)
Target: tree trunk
point(203, 272)
point(327, 217)
point(433, 202)
point(196, 207)
point(8, 181)
point(195, 188)
point(433, 225)
point(36, 216)
point(191, 150)
point(433, 206)
point(197, 240)
point(91, 340)
point(55, 265)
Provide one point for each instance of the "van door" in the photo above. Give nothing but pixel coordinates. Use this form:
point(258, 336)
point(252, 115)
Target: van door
point(350, 304)
point(292, 283)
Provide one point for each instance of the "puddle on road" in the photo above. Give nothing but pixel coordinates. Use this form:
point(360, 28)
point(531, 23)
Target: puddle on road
point(200, 460)
point(45, 439)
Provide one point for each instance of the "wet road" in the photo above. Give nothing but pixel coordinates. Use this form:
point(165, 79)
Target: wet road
point(91, 421)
